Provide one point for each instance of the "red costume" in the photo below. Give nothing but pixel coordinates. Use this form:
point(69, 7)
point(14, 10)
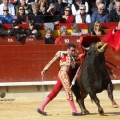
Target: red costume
point(113, 39)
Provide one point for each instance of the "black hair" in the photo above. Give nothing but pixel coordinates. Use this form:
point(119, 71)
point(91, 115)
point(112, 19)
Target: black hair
point(71, 45)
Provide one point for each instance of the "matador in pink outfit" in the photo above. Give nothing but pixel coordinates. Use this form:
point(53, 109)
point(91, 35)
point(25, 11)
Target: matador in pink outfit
point(66, 62)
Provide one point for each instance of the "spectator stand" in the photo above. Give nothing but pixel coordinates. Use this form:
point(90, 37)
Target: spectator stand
point(56, 32)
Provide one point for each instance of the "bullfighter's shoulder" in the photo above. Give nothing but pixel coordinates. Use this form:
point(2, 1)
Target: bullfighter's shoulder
point(60, 53)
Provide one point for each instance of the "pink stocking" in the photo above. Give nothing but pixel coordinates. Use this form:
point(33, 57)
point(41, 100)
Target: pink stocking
point(47, 100)
point(71, 102)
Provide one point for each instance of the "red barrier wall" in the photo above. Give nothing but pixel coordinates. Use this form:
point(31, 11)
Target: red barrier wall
point(22, 63)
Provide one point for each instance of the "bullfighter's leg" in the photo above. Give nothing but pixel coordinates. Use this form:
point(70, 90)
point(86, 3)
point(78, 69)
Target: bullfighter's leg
point(110, 95)
point(50, 97)
point(66, 84)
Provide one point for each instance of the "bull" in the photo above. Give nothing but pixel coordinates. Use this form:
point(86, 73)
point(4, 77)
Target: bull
point(93, 78)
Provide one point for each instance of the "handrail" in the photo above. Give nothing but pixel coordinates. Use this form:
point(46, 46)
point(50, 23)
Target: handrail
point(53, 82)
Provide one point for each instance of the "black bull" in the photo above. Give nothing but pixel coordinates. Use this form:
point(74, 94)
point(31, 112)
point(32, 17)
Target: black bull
point(93, 77)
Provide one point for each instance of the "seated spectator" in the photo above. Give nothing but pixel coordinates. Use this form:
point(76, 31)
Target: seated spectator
point(52, 15)
point(67, 17)
point(68, 2)
point(33, 31)
point(83, 17)
point(2, 31)
point(10, 7)
point(76, 30)
point(60, 6)
point(112, 5)
point(48, 36)
point(43, 6)
point(27, 7)
point(35, 15)
point(76, 5)
point(95, 5)
point(89, 6)
point(16, 31)
point(106, 2)
point(6, 18)
point(51, 1)
point(100, 14)
point(30, 2)
point(98, 29)
point(21, 16)
point(115, 13)
point(14, 2)
point(63, 32)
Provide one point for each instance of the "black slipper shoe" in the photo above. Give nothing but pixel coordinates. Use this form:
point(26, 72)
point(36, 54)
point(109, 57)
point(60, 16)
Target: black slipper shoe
point(76, 114)
point(41, 112)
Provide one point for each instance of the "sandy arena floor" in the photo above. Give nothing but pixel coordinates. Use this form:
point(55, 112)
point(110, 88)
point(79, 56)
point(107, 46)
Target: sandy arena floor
point(58, 109)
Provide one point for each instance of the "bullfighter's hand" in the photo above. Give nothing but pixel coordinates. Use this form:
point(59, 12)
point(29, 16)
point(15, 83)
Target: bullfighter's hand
point(42, 73)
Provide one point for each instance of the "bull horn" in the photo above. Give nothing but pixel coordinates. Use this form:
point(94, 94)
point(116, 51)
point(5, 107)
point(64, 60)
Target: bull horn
point(102, 49)
point(85, 48)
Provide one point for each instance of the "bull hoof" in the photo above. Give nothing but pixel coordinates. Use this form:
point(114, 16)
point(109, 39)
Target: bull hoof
point(2, 95)
point(101, 112)
point(86, 112)
point(115, 105)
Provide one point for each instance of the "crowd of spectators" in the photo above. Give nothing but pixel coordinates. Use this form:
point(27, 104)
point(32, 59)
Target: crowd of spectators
point(59, 11)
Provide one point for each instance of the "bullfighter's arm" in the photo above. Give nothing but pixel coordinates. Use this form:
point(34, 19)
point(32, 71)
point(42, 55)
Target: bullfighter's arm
point(56, 57)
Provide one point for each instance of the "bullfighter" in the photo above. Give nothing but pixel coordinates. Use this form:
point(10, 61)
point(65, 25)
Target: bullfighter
point(67, 62)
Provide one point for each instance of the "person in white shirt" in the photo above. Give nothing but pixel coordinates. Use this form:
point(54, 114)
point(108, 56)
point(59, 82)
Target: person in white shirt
point(69, 2)
point(83, 17)
point(76, 5)
point(10, 7)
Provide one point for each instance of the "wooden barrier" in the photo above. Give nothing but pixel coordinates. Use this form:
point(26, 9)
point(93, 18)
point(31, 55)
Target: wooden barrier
point(76, 39)
point(23, 63)
point(11, 40)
